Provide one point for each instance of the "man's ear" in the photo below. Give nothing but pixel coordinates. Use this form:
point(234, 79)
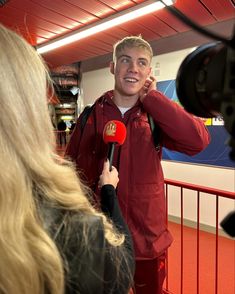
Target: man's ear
point(150, 71)
point(111, 67)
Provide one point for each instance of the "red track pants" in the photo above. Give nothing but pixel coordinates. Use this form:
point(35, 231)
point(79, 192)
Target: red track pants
point(150, 275)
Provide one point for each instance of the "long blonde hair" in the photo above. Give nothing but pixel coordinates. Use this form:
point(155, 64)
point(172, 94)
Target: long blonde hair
point(29, 259)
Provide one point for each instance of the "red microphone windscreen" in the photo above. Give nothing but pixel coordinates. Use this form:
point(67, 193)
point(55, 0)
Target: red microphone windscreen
point(114, 132)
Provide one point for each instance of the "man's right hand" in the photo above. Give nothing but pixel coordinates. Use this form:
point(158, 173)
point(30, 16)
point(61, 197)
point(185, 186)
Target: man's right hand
point(150, 84)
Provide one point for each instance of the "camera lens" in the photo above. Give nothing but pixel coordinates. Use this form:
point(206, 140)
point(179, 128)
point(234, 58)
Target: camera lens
point(200, 80)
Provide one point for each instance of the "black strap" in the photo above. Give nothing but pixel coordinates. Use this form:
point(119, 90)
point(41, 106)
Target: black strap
point(155, 132)
point(85, 114)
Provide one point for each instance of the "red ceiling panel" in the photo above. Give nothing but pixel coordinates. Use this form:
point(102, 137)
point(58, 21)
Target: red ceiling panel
point(85, 46)
point(41, 20)
point(155, 24)
point(27, 29)
point(42, 13)
point(99, 42)
point(220, 9)
point(119, 5)
point(136, 28)
point(94, 7)
point(31, 23)
point(68, 10)
point(170, 20)
point(117, 33)
point(77, 51)
point(195, 11)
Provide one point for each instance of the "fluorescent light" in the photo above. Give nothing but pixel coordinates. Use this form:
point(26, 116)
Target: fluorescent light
point(74, 90)
point(67, 117)
point(119, 18)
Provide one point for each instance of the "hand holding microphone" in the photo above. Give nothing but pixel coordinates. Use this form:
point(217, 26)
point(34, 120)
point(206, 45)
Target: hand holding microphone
point(109, 177)
point(114, 134)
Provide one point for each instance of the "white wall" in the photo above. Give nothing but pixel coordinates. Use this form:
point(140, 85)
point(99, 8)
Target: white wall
point(95, 83)
point(165, 67)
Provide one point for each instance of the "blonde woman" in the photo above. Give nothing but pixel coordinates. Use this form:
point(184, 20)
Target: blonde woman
point(52, 241)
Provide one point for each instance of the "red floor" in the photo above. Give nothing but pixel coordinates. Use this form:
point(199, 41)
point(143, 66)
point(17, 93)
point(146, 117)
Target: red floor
point(226, 263)
point(60, 150)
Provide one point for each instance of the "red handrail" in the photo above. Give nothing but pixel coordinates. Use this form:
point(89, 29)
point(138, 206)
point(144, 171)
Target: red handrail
point(223, 193)
point(200, 189)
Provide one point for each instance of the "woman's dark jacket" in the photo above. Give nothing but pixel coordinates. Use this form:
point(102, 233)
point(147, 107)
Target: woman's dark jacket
point(92, 265)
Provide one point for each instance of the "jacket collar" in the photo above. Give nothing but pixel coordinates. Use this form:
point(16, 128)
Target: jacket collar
point(107, 97)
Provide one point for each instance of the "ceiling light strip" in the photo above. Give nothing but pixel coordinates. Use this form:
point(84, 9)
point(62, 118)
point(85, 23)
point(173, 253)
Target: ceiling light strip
point(119, 18)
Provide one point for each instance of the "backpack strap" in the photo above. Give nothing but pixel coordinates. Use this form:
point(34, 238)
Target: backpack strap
point(85, 114)
point(156, 131)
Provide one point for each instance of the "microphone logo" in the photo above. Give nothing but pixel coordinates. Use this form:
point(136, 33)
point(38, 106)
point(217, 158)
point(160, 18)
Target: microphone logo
point(110, 129)
point(114, 133)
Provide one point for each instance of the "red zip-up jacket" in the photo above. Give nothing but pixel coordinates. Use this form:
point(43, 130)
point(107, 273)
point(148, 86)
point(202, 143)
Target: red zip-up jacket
point(141, 187)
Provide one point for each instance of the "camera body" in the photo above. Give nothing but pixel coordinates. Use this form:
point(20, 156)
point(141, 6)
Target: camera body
point(205, 85)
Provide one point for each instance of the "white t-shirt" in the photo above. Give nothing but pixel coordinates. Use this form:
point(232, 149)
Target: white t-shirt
point(123, 109)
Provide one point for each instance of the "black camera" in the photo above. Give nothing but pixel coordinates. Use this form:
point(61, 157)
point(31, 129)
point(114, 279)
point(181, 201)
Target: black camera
point(205, 85)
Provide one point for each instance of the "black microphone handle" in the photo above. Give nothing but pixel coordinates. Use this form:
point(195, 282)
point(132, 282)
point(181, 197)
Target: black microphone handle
point(110, 154)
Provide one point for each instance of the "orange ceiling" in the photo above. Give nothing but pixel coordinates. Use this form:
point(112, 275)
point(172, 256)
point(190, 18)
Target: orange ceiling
point(42, 20)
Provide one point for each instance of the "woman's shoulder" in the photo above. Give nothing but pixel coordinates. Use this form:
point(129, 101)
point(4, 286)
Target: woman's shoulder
point(65, 224)
point(89, 226)
point(82, 242)
point(80, 239)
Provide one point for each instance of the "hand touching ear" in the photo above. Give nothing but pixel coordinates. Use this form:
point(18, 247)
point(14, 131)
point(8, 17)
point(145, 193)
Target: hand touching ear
point(149, 85)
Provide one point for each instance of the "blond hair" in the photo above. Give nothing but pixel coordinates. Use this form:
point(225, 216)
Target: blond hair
point(29, 259)
point(131, 42)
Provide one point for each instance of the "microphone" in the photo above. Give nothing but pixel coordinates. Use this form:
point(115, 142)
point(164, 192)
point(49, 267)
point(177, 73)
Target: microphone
point(114, 134)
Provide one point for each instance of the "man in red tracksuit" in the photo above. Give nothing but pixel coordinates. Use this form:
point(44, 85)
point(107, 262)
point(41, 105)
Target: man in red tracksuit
point(141, 187)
